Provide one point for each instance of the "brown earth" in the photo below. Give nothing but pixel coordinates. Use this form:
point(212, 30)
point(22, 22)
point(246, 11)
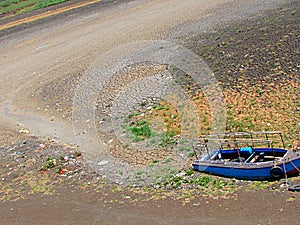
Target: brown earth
point(77, 206)
point(40, 63)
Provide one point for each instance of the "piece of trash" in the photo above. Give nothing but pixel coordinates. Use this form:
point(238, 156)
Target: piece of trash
point(24, 131)
point(67, 158)
point(102, 163)
point(62, 171)
point(180, 174)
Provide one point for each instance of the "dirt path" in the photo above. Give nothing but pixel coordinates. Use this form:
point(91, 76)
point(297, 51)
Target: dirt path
point(42, 62)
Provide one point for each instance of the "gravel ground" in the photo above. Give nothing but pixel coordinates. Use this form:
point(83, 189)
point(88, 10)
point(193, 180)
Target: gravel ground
point(41, 79)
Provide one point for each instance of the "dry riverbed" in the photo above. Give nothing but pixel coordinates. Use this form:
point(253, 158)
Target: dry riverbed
point(256, 61)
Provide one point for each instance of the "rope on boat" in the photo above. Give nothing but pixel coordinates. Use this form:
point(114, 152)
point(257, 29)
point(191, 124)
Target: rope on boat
point(286, 179)
point(291, 187)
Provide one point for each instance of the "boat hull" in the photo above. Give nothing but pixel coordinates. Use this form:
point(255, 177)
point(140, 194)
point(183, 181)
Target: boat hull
point(249, 171)
point(246, 155)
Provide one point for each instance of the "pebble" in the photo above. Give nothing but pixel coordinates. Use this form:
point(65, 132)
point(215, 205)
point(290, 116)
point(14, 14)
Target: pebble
point(102, 163)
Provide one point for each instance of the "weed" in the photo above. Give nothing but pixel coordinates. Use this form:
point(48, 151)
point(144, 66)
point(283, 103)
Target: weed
point(49, 164)
point(165, 140)
point(120, 172)
point(170, 133)
point(189, 172)
point(167, 160)
point(258, 185)
point(140, 131)
point(139, 173)
point(191, 154)
point(184, 148)
point(151, 165)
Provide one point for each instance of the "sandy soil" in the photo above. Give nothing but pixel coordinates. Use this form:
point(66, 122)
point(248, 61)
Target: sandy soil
point(52, 54)
point(73, 206)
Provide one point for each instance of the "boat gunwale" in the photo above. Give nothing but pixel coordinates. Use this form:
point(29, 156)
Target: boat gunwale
point(289, 157)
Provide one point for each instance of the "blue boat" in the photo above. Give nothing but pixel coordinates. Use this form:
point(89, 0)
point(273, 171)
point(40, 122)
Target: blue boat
point(244, 156)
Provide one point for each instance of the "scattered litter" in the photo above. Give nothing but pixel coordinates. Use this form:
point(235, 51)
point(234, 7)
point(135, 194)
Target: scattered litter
point(24, 131)
point(102, 163)
point(69, 157)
